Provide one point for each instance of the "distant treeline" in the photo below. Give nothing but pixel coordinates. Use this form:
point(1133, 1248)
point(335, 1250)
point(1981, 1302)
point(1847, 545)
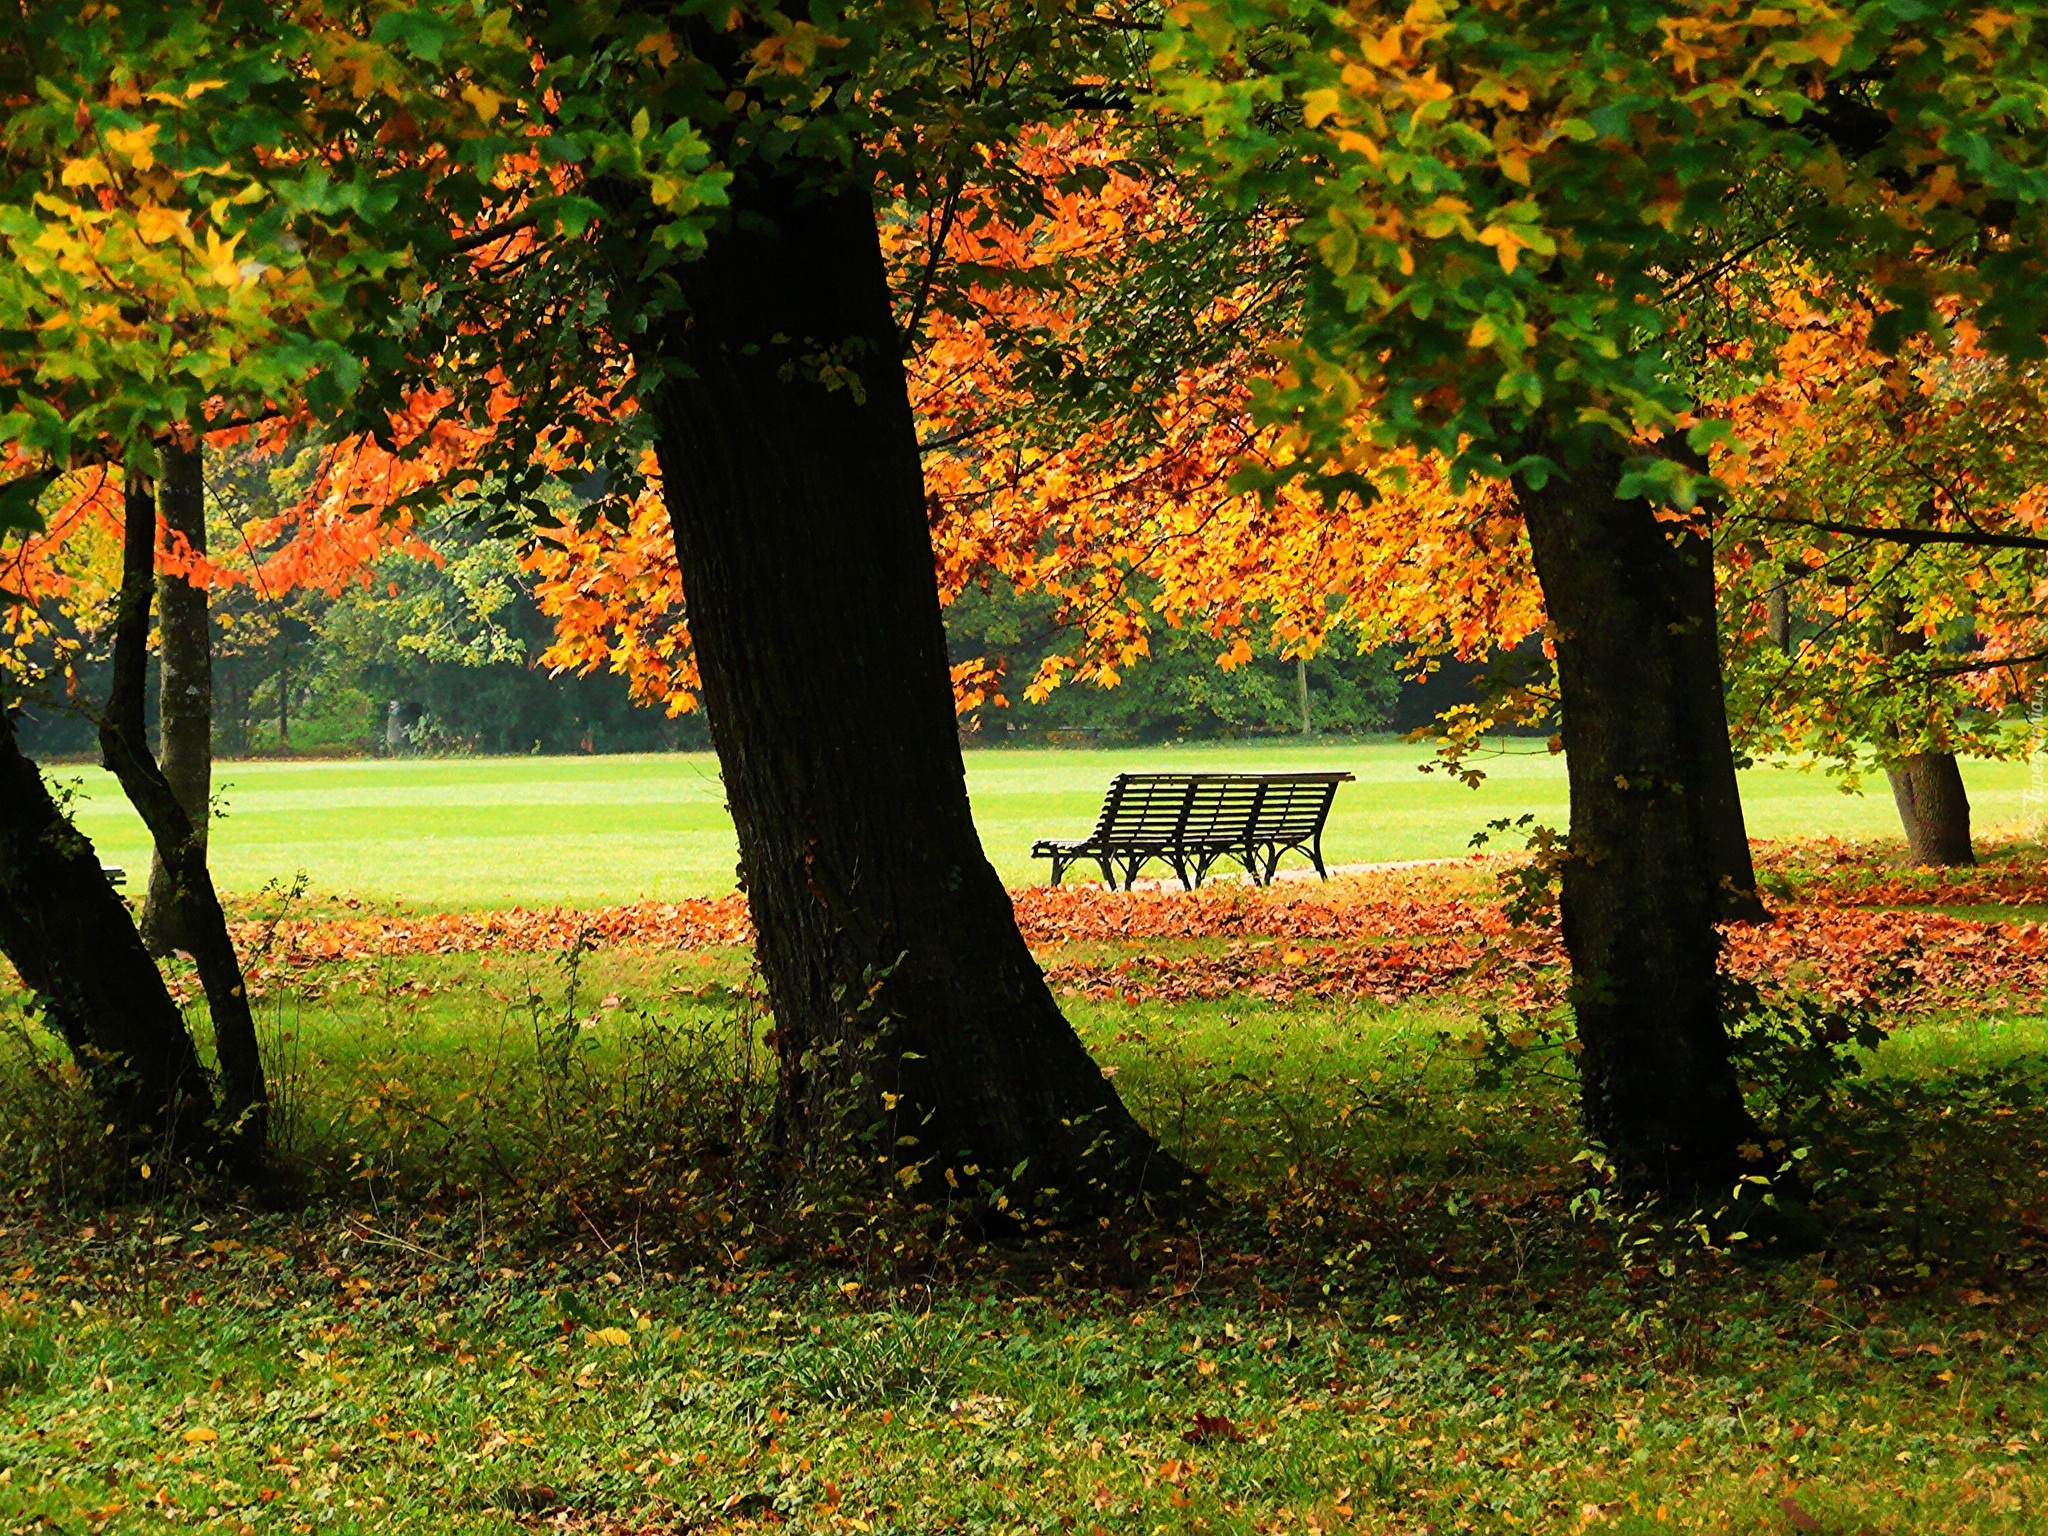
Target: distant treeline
point(455, 646)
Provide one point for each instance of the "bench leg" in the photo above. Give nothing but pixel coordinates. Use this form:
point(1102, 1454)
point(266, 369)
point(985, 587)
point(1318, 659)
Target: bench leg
point(1059, 868)
point(1315, 852)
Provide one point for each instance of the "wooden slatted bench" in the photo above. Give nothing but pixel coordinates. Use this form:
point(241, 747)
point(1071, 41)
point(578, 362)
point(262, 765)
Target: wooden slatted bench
point(1194, 821)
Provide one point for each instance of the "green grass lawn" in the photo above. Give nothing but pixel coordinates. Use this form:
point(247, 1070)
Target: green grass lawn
point(533, 1292)
point(488, 832)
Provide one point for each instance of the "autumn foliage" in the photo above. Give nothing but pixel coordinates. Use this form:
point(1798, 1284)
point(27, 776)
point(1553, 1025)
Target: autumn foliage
point(1145, 519)
point(1882, 576)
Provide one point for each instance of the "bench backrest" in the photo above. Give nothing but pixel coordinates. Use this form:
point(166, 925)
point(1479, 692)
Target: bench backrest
point(1215, 810)
point(1297, 805)
point(1144, 808)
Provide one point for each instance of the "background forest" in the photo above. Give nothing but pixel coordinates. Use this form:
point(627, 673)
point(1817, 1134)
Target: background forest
point(458, 641)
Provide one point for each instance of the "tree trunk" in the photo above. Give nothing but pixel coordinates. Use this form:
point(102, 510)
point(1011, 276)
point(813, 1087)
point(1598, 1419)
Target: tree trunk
point(1928, 789)
point(72, 940)
point(178, 841)
point(1778, 614)
point(1703, 692)
point(185, 719)
point(1651, 850)
point(905, 999)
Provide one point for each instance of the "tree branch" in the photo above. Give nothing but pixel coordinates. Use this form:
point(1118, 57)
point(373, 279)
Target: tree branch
point(131, 610)
point(1915, 537)
point(478, 239)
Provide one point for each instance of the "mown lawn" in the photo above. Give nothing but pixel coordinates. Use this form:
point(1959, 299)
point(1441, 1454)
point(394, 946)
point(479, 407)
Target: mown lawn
point(491, 832)
point(251, 1376)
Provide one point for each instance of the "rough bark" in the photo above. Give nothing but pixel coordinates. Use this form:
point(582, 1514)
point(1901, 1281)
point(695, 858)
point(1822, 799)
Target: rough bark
point(178, 842)
point(71, 938)
point(1778, 614)
point(1702, 691)
point(185, 714)
point(1651, 792)
point(905, 999)
point(1928, 789)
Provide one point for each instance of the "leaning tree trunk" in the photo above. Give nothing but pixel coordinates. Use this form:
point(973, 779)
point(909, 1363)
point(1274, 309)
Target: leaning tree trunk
point(1651, 796)
point(905, 1000)
point(1928, 789)
point(178, 841)
point(72, 940)
point(185, 714)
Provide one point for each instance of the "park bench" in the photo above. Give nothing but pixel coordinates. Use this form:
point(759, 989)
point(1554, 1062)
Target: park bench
point(1192, 821)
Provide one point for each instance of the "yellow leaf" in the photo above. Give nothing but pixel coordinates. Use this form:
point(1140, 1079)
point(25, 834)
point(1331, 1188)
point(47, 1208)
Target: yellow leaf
point(617, 1338)
point(1358, 143)
point(85, 173)
point(1482, 333)
point(134, 144)
point(662, 44)
point(1506, 242)
point(485, 102)
point(200, 1435)
point(157, 224)
point(1827, 43)
point(1385, 50)
point(1317, 105)
point(1515, 166)
point(221, 265)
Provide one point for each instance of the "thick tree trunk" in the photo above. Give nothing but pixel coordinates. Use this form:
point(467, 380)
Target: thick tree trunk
point(906, 1003)
point(1652, 795)
point(72, 940)
point(178, 842)
point(1701, 690)
point(1935, 808)
point(185, 718)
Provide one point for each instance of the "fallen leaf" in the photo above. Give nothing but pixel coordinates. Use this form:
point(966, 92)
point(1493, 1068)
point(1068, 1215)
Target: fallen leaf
point(1212, 1427)
point(1794, 1512)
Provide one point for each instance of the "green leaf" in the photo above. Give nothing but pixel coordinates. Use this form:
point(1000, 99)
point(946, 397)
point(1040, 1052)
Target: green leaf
point(20, 509)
